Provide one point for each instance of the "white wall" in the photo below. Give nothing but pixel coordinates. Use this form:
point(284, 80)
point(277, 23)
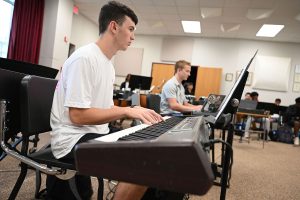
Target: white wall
point(48, 32)
point(233, 54)
point(229, 54)
point(63, 29)
point(80, 36)
point(57, 25)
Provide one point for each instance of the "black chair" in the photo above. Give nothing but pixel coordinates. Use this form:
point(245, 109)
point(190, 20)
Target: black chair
point(35, 100)
point(153, 102)
point(9, 90)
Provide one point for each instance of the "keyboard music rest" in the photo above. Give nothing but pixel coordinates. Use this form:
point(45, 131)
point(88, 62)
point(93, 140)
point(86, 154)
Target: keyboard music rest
point(174, 161)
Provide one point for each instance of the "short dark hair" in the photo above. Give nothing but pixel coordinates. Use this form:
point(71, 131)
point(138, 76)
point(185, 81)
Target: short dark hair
point(180, 64)
point(297, 100)
point(254, 94)
point(279, 100)
point(114, 11)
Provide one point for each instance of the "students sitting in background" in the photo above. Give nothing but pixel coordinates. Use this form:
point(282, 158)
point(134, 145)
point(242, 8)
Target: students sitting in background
point(125, 84)
point(247, 96)
point(292, 118)
point(263, 121)
point(240, 119)
point(189, 88)
point(254, 96)
point(173, 100)
point(277, 102)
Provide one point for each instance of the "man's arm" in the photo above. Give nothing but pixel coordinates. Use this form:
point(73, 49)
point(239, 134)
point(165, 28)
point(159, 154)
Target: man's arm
point(95, 116)
point(186, 107)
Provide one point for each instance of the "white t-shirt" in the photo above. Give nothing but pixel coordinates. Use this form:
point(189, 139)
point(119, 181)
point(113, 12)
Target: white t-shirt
point(86, 81)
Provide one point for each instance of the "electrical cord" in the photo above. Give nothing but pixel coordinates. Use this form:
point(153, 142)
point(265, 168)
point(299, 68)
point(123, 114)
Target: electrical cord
point(112, 185)
point(214, 141)
point(186, 197)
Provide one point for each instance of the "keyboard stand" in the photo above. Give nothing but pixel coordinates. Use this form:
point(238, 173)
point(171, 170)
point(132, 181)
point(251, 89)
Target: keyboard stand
point(225, 158)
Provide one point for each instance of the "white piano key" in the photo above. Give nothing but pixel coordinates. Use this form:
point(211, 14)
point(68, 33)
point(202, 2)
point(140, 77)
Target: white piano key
point(115, 136)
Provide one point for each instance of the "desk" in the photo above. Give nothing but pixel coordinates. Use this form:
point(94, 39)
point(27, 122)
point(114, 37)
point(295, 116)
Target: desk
point(127, 102)
point(255, 115)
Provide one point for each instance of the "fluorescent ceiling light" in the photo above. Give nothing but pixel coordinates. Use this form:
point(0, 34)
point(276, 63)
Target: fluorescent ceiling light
point(269, 30)
point(191, 26)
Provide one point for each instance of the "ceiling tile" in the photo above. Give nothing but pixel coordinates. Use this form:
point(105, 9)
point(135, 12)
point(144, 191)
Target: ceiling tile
point(266, 4)
point(212, 3)
point(146, 9)
point(142, 2)
point(257, 14)
point(167, 10)
point(162, 17)
point(190, 17)
point(211, 12)
point(188, 10)
point(187, 3)
point(237, 3)
point(170, 17)
point(164, 2)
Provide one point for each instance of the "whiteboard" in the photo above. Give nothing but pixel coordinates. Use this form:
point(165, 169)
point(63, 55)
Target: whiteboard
point(129, 61)
point(272, 73)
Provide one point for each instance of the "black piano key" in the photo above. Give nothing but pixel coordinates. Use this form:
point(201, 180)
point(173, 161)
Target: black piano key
point(144, 136)
point(154, 134)
point(153, 131)
point(129, 137)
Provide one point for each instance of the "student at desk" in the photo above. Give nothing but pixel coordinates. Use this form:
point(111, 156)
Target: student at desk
point(83, 100)
point(189, 88)
point(173, 99)
point(125, 84)
point(292, 118)
point(264, 121)
point(277, 101)
point(247, 96)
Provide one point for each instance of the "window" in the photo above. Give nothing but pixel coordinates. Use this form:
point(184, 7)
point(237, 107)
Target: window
point(6, 13)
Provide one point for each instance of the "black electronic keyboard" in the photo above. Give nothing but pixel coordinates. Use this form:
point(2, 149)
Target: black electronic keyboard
point(167, 155)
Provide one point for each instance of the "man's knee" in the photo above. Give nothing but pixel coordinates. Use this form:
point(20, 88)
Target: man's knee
point(296, 124)
point(128, 191)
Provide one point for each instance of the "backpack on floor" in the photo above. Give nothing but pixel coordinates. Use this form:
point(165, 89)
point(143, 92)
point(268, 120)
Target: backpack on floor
point(156, 194)
point(58, 189)
point(285, 134)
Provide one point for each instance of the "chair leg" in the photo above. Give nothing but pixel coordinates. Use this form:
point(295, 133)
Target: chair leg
point(19, 182)
point(38, 179)
point(100, 188)
point(73, 187)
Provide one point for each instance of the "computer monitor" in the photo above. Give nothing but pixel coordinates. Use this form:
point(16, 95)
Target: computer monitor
point(140, 82)
point(28, 68)
point(268, 106)
point(212, 104)
point(231, 101)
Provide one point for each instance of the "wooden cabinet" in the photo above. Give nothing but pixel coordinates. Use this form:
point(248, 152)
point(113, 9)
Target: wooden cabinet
point(208, 79)
point(161, 73)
